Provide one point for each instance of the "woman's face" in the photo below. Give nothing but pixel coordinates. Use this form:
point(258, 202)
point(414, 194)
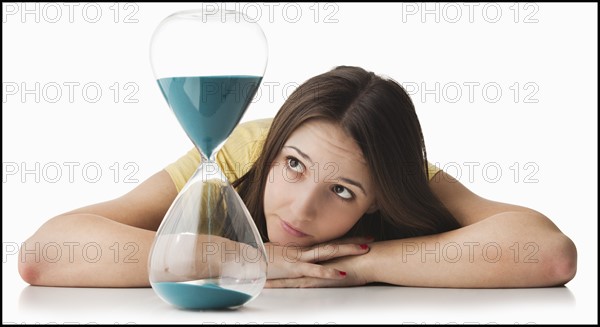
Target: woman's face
point(318, 187)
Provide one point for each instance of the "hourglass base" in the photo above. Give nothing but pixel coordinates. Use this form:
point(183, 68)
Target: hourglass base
point(206, 294)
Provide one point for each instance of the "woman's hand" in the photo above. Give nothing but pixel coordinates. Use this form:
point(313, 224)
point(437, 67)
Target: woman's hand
point(290, 265)
point(351, 265)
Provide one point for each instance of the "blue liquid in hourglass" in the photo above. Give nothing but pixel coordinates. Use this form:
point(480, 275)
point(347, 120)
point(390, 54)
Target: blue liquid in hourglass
point(207, 296)
point(209, 107)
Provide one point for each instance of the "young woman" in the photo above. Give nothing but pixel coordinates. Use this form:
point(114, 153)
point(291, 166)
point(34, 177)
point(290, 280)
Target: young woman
point(341, 175)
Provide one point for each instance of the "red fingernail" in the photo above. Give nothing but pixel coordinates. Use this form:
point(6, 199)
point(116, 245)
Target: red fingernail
point(342, 273)
point(364, 246)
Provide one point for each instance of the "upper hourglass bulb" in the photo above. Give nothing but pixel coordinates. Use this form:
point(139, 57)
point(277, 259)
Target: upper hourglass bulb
point(207, 252)
point(208, 66)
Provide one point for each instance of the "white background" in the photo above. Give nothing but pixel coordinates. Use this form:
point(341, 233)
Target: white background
point(539, 133)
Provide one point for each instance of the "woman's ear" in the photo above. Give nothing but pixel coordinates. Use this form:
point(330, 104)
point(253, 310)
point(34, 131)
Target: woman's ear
point(374, 207)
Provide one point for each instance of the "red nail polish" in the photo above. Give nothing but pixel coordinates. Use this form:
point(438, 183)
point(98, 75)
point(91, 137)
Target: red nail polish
point(364, 246)
point(342, 273)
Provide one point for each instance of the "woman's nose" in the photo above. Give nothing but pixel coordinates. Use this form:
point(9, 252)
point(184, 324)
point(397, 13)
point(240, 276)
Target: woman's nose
point(305, 203)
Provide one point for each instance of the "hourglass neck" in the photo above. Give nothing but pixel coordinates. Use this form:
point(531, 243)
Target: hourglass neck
point(212, 158)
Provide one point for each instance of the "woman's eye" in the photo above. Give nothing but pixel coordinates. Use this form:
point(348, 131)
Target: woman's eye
point(295, 164)
point(342, 192)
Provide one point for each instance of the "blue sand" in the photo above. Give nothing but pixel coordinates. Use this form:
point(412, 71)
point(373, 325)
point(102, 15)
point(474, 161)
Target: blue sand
point(193, 296)
point(209, 107)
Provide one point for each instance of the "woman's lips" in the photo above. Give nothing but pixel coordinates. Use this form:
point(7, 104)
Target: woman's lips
point(291, 230)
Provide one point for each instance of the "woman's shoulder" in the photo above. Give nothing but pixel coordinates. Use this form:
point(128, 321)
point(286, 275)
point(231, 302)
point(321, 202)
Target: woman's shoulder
point(254, 126)
point(248, 135)
point(243, 147)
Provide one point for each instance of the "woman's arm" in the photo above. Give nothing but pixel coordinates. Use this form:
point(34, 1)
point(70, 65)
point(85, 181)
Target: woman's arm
point(107, 244)
point(508, 249)
point(532, 251)
point(102, 245)
point(499, 245)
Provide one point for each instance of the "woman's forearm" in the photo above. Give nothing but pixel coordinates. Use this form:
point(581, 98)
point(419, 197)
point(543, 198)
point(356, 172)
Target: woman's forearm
point(85, 250)
point(511, 249)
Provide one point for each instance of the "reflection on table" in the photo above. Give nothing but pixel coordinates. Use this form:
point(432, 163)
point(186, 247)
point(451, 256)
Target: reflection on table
point(379, 303)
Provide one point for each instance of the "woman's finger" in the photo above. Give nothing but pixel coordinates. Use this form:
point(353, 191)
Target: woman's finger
point(304, 282)
point(319, 271)
point(324, 252)
point(354, 240)
point(309, 282)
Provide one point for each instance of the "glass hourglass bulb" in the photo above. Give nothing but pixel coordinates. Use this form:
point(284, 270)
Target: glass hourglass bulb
point(207, 253)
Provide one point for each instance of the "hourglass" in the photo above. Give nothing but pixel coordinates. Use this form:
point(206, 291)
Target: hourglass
point(207, 253)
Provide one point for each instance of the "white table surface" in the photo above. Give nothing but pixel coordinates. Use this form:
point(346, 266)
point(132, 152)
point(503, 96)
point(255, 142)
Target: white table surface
point(367, 304)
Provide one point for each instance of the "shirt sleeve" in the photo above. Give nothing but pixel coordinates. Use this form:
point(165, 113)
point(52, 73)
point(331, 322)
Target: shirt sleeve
point(182, 169)
point(433, 169)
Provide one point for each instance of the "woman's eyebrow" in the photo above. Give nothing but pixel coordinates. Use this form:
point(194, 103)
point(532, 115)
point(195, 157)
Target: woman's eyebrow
point(344, 179)
point(304, 155)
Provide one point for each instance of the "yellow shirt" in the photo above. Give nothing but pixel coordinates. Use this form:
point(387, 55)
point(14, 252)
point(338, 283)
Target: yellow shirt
point(237, 155)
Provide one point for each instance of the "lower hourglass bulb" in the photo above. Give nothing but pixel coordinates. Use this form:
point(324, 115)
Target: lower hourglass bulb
point(207, 253)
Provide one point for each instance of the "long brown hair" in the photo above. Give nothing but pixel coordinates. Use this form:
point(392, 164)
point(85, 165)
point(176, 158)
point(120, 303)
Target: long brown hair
point(381, 118)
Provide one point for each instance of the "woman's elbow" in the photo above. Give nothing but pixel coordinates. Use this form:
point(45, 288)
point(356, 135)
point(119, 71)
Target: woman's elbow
point(562, 262)
point(32, 264)
point(29, 268)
